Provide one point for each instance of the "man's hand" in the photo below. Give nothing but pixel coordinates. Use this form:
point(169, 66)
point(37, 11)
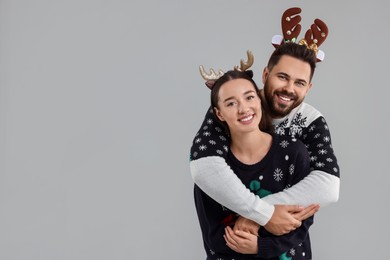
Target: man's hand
point(307, 212)
point(287, 218)
point(246, 225)
point(241, 241)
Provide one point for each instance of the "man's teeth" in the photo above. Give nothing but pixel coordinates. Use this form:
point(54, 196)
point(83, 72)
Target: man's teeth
point(246, 118)
point(285, 98)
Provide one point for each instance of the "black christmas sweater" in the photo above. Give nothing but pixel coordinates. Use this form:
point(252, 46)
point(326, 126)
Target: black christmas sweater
point(211, 173)
point(286, 163)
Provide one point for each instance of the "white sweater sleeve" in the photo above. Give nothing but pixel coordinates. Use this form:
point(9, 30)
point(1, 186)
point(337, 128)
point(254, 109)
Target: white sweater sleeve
point(316, 188)
point(217, 180)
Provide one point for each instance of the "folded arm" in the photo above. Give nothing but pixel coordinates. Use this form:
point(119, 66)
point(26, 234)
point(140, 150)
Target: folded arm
point(216, 179)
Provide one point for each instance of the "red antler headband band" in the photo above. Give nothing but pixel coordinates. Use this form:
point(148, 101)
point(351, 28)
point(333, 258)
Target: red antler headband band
point(291, 28)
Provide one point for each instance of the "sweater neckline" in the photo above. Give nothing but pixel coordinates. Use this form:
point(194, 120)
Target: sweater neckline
point(233, 159)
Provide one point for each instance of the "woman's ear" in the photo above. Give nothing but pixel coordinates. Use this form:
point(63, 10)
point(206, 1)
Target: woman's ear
point(218, 114)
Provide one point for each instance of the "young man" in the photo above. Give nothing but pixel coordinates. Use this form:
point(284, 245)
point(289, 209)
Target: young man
point(287, 80)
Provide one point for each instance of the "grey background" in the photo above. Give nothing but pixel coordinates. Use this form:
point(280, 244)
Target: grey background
point(100, 100)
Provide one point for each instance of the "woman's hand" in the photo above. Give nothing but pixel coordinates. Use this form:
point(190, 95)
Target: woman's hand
point(241, 241)
point(246, 225)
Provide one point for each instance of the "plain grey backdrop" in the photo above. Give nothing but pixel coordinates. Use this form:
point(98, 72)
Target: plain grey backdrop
point(100, 100)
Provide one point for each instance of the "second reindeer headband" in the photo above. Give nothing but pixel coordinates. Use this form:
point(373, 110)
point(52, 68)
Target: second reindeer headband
point(291, 28)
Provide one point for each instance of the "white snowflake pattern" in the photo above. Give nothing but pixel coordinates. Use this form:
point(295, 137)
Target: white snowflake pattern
point(291, 169)
point(218, 129)
point(326, 127)
point(313, 158)
point(210, 121)
point(329, 159)
point(317, 135)
point(320, 145)
point(219, 152)
point(284, 143)
point(295, 130)
point(335, 169)
point(223, 138)
point(327, 139)
point(202, 147)
point(212, 252)
point(278, 174)
point(197, 140)
point(280, 131)
point(311, 129)
point(212, 142)
point(225, 148)
point(195, 154)
point(206, 133)
point(292, 251)
point(205, 127)
point(322, 151)
point(320, 164)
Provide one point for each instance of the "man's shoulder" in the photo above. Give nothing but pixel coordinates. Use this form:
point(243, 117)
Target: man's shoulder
point(308, 109)
point(305, 112)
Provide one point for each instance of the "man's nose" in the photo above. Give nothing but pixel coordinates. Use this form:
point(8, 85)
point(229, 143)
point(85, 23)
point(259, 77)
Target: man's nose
point(289, 87)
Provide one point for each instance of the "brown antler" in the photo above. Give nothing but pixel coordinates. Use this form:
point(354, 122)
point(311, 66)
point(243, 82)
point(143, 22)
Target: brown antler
point(246, 65)
point(290, 24)
point(212, 75)
point(317, 33)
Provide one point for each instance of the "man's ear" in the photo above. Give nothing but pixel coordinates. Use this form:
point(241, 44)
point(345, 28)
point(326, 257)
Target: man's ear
point(265, 74)
point(218, 114)
point(309, 87)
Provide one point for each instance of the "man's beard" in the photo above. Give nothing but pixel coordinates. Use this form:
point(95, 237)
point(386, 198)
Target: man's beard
point(276, 109)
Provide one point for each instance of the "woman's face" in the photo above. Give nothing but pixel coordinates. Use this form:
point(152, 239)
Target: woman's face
point(239, 106)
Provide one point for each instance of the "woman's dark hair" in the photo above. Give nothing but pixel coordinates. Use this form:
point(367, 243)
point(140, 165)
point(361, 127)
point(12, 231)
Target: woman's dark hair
point(294, 50)
point(265, 122)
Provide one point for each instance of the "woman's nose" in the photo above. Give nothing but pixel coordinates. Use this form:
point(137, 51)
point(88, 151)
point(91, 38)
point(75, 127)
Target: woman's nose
point(242, 108)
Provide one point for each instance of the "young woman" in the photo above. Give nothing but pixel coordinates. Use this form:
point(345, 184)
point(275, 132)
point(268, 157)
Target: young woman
point(264, 162)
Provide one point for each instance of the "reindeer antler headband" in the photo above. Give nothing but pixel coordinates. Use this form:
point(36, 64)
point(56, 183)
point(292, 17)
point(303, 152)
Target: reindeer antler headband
point(212, 77)
point(291, 28)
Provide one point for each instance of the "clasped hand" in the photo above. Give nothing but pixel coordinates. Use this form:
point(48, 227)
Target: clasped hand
point(286, 218)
